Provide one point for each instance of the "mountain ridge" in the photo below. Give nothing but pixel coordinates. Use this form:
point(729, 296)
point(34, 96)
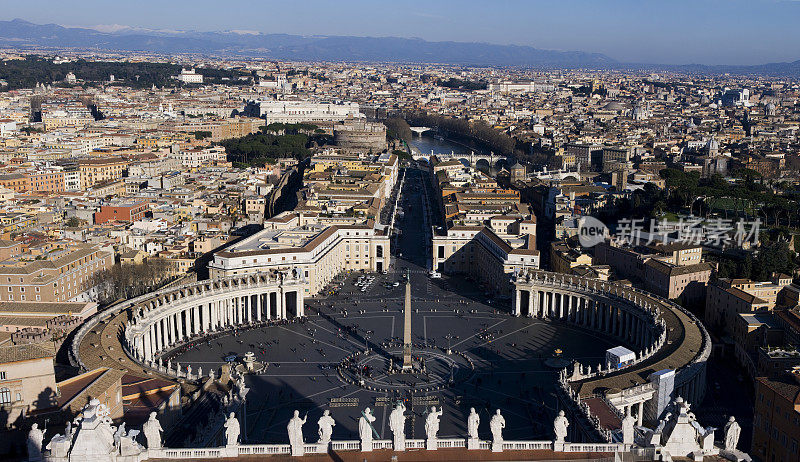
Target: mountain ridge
point(22, 34)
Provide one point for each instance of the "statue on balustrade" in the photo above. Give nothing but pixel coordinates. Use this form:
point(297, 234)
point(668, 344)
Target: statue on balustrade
point(432, 423)
point(152, 432)
point(472, 423)
point(496, 425)
point(732, 432)
point(627, 429)
point(365, 429)
point(35, 438)
point(560, 425)
point(397, 423)
point(232, 430)
point(326, 424)
point(295, 430)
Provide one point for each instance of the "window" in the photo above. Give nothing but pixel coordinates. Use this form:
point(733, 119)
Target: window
point(2, 375)
point(5, 395)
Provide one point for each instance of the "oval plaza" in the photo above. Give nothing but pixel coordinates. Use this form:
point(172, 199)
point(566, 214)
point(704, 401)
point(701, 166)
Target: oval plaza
point(338, 319)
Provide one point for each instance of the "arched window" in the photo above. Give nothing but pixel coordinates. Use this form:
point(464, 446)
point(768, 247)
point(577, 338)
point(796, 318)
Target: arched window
point(5, 395)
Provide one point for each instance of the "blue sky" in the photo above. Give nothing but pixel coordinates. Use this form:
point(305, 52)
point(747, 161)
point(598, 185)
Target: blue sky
point(665, 31)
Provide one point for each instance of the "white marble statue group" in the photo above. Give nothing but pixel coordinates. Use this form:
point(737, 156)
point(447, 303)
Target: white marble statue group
point(92, 436)
point(397, 424)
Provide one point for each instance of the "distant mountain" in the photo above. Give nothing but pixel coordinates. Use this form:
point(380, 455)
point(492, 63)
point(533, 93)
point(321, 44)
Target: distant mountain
point(22, 34)
point(25, 35)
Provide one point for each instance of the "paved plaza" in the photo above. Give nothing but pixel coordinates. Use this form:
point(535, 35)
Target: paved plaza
point(508, 353)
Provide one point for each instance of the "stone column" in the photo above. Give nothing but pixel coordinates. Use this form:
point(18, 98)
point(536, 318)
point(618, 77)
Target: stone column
point(551, 300)
point(165, 333)
point(569, 308)
point(258, 307)
point(640, 413)
point(154, 339)
point(281, 308)
point(301, 309)
point(531, 304)
point(212, 315)
point(558, 304)
point(516, 308)
point(146, 345)
point(196, 319)
point(160, 334)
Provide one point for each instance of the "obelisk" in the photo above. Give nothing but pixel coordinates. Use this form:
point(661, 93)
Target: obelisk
point(407, 327)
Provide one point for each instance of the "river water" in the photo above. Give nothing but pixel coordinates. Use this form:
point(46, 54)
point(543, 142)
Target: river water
point(425, 144)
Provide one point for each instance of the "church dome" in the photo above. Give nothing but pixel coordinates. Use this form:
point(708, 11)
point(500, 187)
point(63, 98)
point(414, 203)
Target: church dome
point(614, 106)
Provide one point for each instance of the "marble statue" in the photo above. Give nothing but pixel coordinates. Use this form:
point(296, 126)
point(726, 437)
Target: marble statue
point(432, 423)
point(94, 438)
point(432, 428)
point(119, 434)
point(241, 389)
point(232, 430)
point(496, 425)
point(560, 425)
point(397, 423)
point(152, 432)
point(732, 432)
point(59, 445)
point(35, 437)
point(472, 423)
point(126, 441)
point(295, 430)
point(365, 429)
point(627, 429)
point(325, 424)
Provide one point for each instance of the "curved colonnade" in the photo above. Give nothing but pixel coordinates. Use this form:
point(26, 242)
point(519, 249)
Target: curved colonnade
point(166, 320)
point(662, 334)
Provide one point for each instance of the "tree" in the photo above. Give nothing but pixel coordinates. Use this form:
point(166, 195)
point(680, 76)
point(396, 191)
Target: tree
point(129, 280)
point(73, 222)
point(398, 128)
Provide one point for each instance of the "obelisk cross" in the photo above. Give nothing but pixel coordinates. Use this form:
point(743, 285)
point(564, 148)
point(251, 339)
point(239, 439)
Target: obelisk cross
point(407, 326)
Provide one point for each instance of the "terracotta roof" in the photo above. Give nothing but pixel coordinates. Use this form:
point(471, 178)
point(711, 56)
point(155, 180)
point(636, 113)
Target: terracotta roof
point(28, 352)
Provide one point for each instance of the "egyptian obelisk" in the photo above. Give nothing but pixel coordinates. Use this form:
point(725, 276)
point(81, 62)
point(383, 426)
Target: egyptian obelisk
point(407, 327)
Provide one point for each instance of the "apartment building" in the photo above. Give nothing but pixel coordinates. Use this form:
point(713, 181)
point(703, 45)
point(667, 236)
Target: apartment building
point(728, 298)
point(27, 380)
point(235, 128)
point(319, 248)
point(479, 252)
point(121, 211)
point(94, 171)
point(56, 272)
point(776, 424)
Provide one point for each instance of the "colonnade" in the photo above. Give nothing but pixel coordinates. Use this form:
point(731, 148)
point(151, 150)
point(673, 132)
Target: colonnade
point(170, 319)
point(619, 318)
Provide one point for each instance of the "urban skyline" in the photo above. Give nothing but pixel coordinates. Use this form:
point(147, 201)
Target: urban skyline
point(221, 245)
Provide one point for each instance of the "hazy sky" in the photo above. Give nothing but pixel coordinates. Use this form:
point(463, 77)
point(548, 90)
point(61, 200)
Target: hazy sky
point(663, 31)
